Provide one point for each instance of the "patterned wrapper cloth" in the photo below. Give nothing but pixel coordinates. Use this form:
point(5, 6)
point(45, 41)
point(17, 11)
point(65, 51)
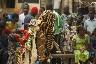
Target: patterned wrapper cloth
point(31, 50)
point(45, 35)
point(21, 39)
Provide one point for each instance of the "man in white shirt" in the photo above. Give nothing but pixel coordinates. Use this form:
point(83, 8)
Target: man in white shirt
point(90, 24)
point(22, 16)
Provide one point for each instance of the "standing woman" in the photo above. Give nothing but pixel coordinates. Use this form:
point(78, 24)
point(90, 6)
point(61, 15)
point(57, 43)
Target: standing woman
point(12, 43)
point(80, 41)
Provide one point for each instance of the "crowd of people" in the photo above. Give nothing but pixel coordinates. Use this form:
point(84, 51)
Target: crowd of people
point(31, 37)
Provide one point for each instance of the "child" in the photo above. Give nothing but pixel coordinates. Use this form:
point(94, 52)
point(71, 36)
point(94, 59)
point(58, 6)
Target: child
point(93, 46)
point(80, 41)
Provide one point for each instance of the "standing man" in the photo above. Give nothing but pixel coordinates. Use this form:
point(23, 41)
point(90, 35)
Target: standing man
point(90, 24)
point(22, 16)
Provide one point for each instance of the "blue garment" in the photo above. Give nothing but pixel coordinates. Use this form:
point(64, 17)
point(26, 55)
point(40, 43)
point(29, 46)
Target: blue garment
point(93, 41)
point(27, 20)
point(92, 53)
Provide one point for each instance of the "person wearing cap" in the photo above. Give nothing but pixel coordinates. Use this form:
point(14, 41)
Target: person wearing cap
point(30, 24)
point(90, 23)
point(29, 17)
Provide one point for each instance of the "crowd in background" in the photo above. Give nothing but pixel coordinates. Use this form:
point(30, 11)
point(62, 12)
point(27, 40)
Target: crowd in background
point(31, 37)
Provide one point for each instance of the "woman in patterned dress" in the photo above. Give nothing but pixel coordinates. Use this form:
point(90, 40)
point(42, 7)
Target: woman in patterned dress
point(80, 41)
point(11, 27)
point(45, 34)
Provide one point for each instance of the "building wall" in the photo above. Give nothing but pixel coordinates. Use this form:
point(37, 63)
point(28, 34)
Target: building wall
point(67, 3)
point(18, 6)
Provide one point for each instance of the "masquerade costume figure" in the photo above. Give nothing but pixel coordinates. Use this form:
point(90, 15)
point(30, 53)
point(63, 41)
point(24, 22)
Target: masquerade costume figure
point(21, 49)
point(45, 35)
point(32, 27)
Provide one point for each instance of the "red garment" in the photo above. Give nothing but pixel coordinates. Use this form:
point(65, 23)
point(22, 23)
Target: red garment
point(6, 31)
point(34, 10)
point(22, 39)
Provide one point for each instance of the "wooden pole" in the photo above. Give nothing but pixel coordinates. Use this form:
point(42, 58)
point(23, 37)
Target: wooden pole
point(63, 55)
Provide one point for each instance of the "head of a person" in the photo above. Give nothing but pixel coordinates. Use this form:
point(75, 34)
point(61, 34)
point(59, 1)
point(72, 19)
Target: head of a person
point(81, 31)
point(15, 17)
point(26, 8)
point(94, 32)
point(66, 10)
point(42, 9)
point(70, 21)
point(11, 24)
point(49, 7)
point(80, 19)
point(91, 15)
point(34, 11)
